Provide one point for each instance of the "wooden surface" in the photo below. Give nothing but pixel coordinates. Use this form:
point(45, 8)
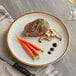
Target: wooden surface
point(67, 65)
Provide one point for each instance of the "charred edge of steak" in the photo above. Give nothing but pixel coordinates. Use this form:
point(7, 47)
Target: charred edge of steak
point(30, 28)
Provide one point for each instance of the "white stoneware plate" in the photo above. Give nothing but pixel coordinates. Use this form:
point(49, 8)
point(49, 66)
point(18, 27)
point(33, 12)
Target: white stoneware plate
point(17, 27)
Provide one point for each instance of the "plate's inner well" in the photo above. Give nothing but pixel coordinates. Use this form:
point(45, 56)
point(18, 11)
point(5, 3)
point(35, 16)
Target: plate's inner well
point(17, 29)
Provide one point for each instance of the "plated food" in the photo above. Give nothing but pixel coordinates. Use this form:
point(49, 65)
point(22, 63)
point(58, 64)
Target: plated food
point(36, 28)
point(54, 45)
point(40, 27)
point(56, 32)
point(30, 48)
point(50, 34)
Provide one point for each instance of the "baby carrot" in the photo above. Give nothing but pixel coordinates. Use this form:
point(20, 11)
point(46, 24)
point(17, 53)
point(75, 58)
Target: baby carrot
point(28, 50)
point(33, 50)
point(34, 46)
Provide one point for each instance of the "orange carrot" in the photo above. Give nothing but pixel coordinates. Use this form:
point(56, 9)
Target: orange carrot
point(33, 50)
point(28, 50)
point(34, 46)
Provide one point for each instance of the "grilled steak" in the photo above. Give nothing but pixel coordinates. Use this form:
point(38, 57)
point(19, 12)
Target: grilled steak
point(36, 28)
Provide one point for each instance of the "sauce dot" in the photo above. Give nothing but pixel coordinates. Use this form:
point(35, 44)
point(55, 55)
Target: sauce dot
point(54, 44)
point(49, 52)
point(51, 49)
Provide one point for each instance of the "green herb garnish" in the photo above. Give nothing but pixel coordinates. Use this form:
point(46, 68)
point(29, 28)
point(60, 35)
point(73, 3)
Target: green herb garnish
point(38, 25)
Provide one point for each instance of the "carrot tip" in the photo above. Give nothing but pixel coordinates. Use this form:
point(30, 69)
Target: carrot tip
point(38, 57)
point(33, 57)
point(41, 50)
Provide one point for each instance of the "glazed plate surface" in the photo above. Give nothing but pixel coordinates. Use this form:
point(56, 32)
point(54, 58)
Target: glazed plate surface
point(17, 27)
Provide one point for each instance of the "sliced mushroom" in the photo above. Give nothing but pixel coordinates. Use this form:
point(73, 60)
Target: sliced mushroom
point(44, 37)
point(55, 34)
point(49, 34)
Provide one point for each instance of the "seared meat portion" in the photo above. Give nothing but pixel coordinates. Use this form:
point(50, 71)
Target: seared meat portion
point(36, 28)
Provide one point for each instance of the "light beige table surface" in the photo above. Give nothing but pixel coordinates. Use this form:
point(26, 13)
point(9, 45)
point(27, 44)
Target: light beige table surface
point(67, 65)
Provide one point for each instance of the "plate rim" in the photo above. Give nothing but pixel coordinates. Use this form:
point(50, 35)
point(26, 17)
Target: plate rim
point(36, 64)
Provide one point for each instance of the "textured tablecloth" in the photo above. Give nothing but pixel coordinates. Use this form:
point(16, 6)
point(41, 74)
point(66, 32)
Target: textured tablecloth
point(6, 69)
